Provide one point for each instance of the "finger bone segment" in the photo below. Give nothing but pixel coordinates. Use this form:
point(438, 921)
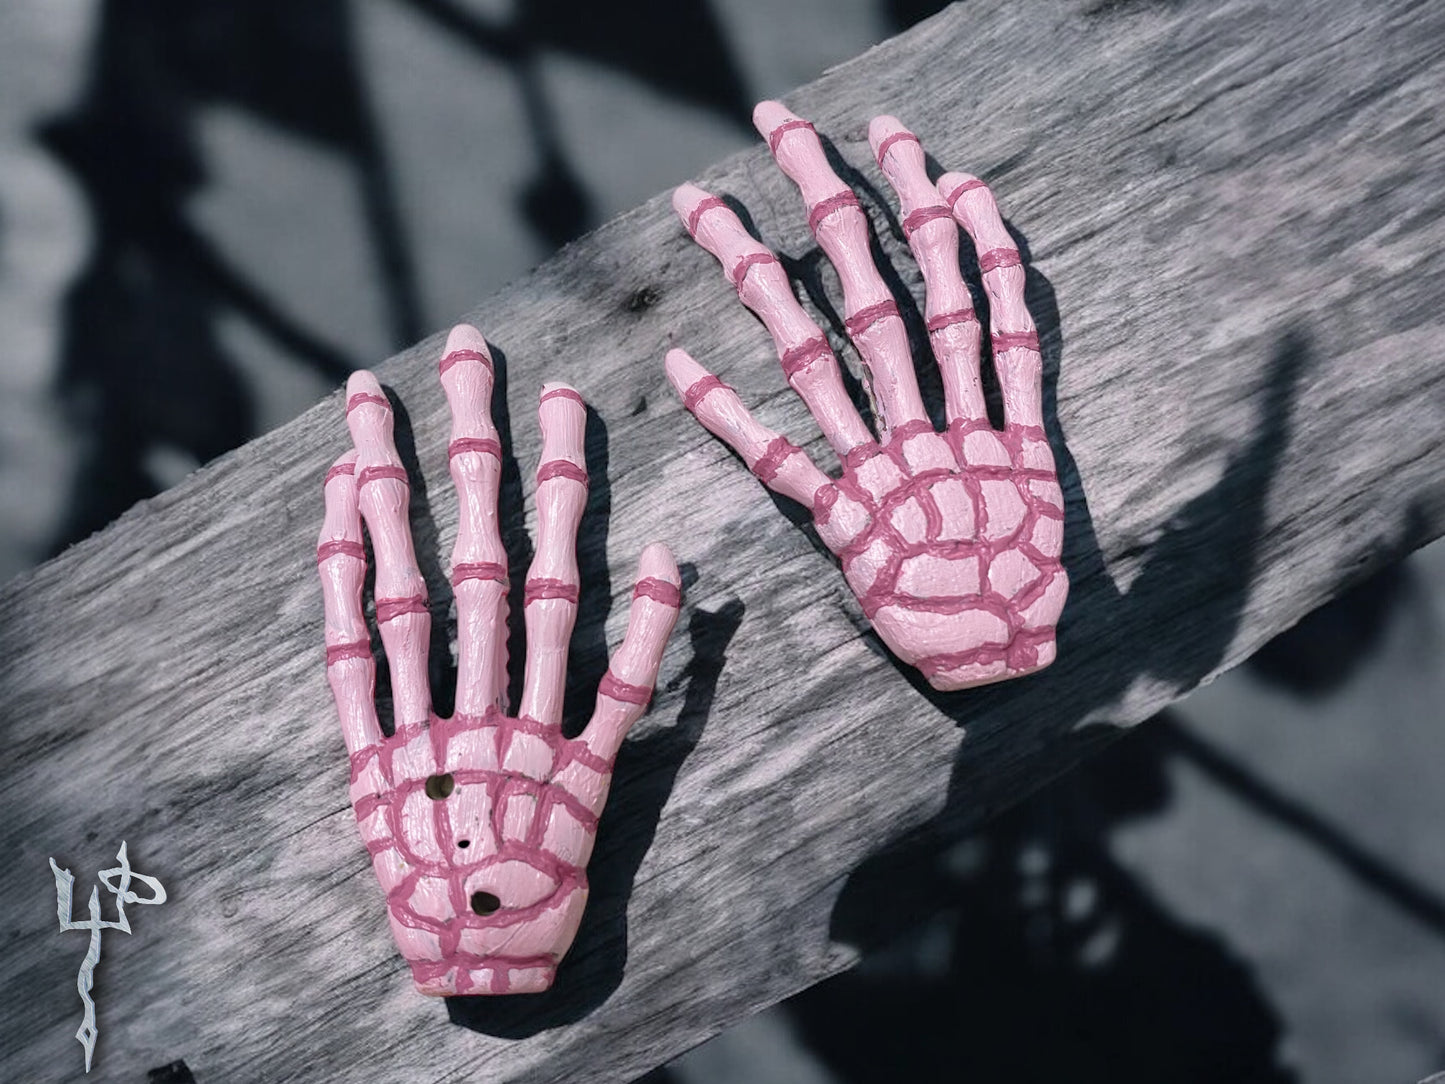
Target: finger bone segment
point(551, 593)
point(383, 496)
point(479, 561)
point(837, 221)
point(626, 688)
point(722, 413)
point(1015, 338)
point(933, 239)
point(803, 351)
point(341, 562)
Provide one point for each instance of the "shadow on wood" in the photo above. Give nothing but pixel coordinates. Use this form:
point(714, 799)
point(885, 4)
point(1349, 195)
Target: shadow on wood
point(1060, 961)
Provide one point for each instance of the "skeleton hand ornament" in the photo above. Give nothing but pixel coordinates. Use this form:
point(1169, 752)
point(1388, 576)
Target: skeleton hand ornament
point(479, 826)
point(950, 541)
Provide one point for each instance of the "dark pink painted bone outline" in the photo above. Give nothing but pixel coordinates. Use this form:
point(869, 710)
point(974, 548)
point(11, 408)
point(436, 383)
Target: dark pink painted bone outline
point(516, 827)
point(951, 541)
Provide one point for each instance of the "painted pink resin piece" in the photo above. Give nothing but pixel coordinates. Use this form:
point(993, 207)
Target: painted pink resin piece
point(479, 826)
point(951, 540)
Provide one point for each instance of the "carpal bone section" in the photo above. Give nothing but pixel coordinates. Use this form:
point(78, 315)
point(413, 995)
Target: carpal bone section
point(950, 556)
point(479, 827)
point(951, 541)
point(479, 830)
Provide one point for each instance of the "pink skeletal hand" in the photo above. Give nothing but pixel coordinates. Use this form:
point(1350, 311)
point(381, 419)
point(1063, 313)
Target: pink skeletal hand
point(479, 826)
point(951, 541)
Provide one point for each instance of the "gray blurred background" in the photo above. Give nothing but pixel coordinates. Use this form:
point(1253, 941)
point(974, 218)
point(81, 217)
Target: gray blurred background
point(210, 213)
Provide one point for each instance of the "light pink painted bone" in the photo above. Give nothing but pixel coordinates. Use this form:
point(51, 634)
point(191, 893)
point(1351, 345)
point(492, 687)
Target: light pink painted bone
point(952, 540)
point(479, 826)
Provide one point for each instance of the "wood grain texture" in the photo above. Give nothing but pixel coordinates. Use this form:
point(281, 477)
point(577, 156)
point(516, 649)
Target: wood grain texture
point(1234, 219)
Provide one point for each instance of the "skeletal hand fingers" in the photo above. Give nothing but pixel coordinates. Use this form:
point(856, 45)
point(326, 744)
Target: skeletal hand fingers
point(841, 228)
point(552, 579)
point(401, 599)
point(479, 561)
point(341, 561)
point(803, 349)
point(778, 464)
point(1016, 355)
point(626, 688)
point(953, 326)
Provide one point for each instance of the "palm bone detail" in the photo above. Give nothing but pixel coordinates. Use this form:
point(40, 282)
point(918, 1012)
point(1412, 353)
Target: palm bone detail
point(951, 541)
point(480, 826)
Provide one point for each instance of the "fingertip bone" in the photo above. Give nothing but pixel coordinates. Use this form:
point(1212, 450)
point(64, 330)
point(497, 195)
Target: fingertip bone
point(883, 146)
point(560, 391)
point(695, 392)
point(562, 468)
point(658, 590)
point(453, 357)
point(954, 186)
point(708, 204)
point(345, 467)
point(364, 398)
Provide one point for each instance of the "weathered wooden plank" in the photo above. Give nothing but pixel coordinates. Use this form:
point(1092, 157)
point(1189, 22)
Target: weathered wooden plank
point(1233, 214)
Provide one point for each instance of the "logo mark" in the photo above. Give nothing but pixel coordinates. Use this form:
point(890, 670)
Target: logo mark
point(117, 882)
